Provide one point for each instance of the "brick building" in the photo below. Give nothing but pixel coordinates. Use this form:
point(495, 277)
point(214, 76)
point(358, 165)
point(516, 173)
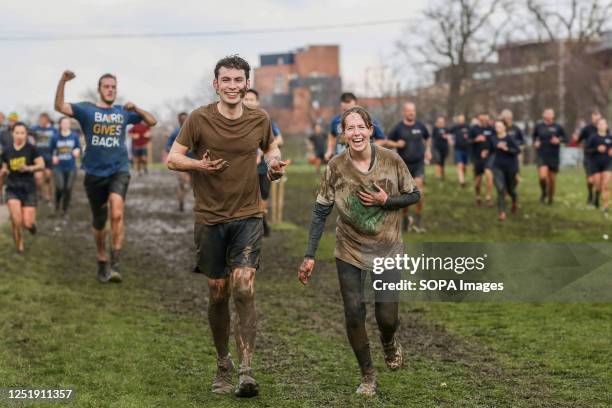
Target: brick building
point(299, 86)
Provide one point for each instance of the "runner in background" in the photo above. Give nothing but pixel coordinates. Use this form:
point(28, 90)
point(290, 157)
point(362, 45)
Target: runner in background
point(441, 140)
point(411, 139)
point(599, 149)
point(547, 139)
point(184, 177)
point(20, 161)
point(461, 138)
point(318, 140)
point(585, 135)
point(141, 136)
point(517, 134)
point(65, 148)
point(505, 168)
point(481, 138)
point(251, 99)
point(43, 133)
point(105, 162)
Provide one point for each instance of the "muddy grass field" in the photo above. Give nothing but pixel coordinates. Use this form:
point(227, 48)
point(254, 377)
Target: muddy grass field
point(146, 342)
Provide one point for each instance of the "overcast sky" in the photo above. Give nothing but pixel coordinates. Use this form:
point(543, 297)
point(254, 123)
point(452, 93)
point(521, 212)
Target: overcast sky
point(152, 71)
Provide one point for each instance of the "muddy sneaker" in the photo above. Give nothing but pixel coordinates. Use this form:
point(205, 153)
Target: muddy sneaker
point(115, 276)
point(247, 386)
point(103, 272)
point(394, 354)
point(368, 385)
point(222, 384)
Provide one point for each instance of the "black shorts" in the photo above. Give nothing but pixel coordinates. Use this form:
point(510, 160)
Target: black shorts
point(416, 169)
point(223, 247)
point(140, 151)
point(480, 165)
point(26, 193)
point(439, 155)
point(588, 166)
point(552, 162)
point(600, 165)
point(99, 188)
point(264, 186)
point(48, 162)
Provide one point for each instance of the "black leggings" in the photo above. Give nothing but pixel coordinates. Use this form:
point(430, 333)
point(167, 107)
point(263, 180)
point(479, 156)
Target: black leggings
point(505, 182)
point(351, 286)
point(63, 188)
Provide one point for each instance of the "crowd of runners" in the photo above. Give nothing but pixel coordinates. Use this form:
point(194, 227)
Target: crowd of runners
point(228, 152)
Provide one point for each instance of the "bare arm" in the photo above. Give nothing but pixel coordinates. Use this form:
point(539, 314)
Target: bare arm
point(60, 105)
point(39, 164)
point(178, 160)
point(146, 116)
point(331, 141)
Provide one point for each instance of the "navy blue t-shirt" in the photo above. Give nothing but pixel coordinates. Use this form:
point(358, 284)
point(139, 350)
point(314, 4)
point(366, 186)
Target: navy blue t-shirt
point(478, 147)
point(507, 159)
point(516, 132)
point(62, 147)
point(585, 135)
point(104, 130)
point(594, 142)
point(461, 135)
point(335, 128)
point(43, 140)
point(544, 134)
point(439, 141)
point(414, 135)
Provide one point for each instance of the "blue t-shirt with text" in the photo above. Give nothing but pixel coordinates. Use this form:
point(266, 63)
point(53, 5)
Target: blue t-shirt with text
point(43, 139)
point(62, 147)
point(104, 130)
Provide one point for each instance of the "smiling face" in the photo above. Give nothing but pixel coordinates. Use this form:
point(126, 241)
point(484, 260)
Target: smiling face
point(357, 132)
point(231, 85)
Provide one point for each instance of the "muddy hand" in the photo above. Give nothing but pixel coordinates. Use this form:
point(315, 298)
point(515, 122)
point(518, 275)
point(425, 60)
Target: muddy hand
point(305, 270)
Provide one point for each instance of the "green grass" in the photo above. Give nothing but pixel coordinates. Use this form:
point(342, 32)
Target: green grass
point(146, 343)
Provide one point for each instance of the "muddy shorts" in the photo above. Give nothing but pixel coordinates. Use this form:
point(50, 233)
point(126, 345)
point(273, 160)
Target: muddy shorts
point(223, 247)
point(549, 160)
point(264, 186)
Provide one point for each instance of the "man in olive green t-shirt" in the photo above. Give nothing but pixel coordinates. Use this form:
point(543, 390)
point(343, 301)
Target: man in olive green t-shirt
point(224, 137)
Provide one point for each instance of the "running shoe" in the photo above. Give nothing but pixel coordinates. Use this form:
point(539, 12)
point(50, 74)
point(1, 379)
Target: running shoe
point(394, 354)
point(247, 386)
point(222, 384)
point(368, 385)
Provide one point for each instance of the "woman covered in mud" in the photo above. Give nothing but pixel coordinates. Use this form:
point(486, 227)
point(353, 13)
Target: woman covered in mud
point(368, 184)
point(20, 161)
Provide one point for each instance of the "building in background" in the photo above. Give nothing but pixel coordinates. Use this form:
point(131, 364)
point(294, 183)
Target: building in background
point(298, 87)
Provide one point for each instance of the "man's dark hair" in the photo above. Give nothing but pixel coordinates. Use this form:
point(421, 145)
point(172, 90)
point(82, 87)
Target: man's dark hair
point(181, 114)
point(46, 116)
point(107, 75)
point(595, 111)
point(233, 61)
point(254, 92)
point(17, 124)
point(348, 97)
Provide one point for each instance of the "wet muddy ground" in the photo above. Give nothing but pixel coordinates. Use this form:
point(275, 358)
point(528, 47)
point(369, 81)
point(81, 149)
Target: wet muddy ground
point(159, 249)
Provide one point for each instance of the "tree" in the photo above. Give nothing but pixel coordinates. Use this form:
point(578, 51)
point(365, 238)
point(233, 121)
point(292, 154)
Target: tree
point(576, 25)
point(456, 36)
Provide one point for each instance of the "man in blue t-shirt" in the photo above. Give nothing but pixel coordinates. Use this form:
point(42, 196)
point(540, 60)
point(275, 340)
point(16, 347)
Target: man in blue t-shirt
point(106, 165)
point(184, 177)
point(251, 99)
point(336, 141)
point(43, 133)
